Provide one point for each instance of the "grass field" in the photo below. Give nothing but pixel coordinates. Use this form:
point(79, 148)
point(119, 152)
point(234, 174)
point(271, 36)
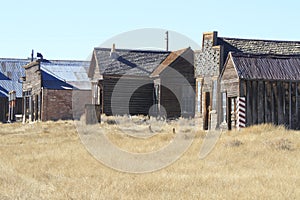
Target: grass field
point(48, 161)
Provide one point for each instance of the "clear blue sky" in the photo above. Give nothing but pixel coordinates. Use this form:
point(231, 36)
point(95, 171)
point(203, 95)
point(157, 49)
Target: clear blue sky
point(63, 29)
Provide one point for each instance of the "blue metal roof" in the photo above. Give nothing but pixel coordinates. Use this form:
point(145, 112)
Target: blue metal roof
point(51, 82)
point(11, 70)
point(3, 92)
point(65, 75)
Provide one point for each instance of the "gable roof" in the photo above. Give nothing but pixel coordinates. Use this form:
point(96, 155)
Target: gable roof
point(11, 71)
point(126, 61)
point(255, 46)
point(64, 74)
point(168, 61)
point(266, 67)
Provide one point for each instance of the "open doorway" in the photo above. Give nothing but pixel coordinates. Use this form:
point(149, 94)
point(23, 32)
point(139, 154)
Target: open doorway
point(206, 115)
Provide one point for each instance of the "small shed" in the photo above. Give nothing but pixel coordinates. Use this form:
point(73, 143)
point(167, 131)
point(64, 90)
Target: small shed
point(269, 86)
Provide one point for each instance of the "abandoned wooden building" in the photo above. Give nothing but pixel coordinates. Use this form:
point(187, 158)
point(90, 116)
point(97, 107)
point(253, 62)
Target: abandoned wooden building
point(209, 63)
point(133, 82)
point(11, 71)
point(52, 88)
point(270, 86)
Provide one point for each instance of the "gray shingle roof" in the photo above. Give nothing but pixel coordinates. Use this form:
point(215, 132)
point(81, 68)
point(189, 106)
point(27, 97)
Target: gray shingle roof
point(129, 62)
point(254, 46)
point(267, 67)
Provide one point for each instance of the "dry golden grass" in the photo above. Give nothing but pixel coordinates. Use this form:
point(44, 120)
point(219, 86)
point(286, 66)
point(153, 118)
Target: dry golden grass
point(47, 161)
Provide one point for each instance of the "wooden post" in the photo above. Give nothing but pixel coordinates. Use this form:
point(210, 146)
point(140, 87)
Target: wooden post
point(24, 109)
point(92, 113)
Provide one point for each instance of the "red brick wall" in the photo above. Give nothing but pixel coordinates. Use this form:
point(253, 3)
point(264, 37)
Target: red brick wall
point(64, 104)
point(57, 104)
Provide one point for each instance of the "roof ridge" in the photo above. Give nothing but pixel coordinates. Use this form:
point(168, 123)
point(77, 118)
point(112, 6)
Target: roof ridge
point(262, 40)
point(239, 54)
point(133, 50)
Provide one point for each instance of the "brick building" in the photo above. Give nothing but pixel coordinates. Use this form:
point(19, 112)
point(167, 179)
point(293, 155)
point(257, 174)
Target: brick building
point(52, 88)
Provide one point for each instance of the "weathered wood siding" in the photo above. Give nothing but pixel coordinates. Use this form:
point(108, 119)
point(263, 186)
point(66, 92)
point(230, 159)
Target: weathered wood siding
point(274, 102)
point(3, 109)
point(178, 87)
point(137, 91)
point(230, 81)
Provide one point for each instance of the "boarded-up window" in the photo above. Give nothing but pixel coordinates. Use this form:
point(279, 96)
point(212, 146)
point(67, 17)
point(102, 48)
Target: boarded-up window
point(199, 96)
point(214, 95)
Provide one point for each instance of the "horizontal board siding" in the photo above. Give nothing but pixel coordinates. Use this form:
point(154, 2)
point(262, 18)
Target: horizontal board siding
point(138, 92)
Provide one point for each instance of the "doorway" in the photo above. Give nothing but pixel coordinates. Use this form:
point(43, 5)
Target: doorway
point(206, 115)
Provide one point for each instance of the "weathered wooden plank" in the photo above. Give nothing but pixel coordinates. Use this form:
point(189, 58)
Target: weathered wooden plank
point(293, 109)
point(286, 92)
point(254, 102)
point(298, 104)
point(260, 102)
point(249, 103)
point(280, 101)
point(268, 102)
point(274, 103)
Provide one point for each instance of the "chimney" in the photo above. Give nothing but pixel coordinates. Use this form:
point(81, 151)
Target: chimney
point(167, 41)
point(32, 54)
point(113, 49)
point(113, 53)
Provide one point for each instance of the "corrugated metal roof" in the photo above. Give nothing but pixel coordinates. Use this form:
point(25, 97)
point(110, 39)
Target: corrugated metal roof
point(9, 85)
point(129, 62)
point(11, 70)
point(65, 75)
point(3, 92)
point(267, 67)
